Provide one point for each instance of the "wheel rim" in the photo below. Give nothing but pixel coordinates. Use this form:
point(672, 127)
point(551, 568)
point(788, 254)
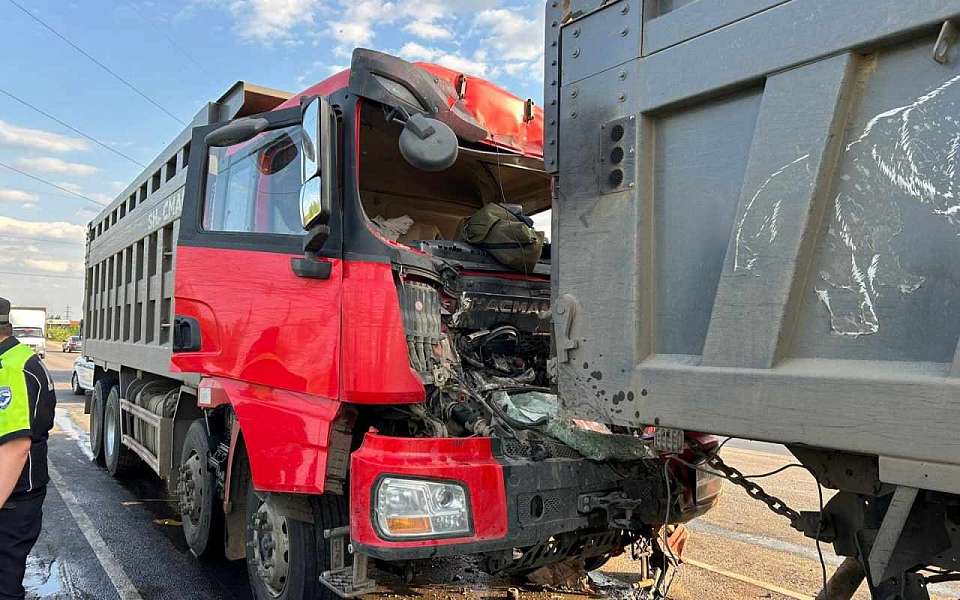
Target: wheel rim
point(190, 489)
point(271, 549)
point(109, 429)
point(74, 382)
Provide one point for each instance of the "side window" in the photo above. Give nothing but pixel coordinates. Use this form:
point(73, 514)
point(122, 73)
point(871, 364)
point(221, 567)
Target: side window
point(254, 187)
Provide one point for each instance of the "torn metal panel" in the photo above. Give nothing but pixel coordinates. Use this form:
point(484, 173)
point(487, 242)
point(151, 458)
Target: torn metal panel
point(597, 445)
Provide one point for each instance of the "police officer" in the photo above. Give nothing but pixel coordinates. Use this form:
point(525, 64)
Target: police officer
point(27, 402)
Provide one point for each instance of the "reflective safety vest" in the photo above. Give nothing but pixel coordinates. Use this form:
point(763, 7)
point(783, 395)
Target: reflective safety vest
point(14, 401)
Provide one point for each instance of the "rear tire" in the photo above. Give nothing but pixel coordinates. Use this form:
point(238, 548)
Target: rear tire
point(294, 574)
point(119, 459)
point(75, 385)
point(101, 390)
point(197, 494)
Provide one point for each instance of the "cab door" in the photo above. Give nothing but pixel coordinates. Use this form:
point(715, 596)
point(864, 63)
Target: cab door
point(242, 311)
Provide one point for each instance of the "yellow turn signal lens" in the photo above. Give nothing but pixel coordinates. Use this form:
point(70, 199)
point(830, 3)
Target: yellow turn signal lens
point(408, 525)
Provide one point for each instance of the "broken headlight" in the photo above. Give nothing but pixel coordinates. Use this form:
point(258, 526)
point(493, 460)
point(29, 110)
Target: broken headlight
point(415, 508)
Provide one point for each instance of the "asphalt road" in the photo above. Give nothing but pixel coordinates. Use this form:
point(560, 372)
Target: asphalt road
point(106, 539)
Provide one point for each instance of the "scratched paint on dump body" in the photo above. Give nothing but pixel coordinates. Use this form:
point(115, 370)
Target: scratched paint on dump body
point(466, 460)
point(259, 322)
point(897, 159)
point(495, 109)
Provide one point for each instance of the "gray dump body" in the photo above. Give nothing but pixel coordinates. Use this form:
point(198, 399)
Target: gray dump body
point(776, 254)
point(131, 250)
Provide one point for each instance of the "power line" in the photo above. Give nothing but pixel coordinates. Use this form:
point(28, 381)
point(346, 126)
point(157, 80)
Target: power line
point(74, 277)
point(51, 184)
point(97, 62)
point(73, 129)
point(173, 43)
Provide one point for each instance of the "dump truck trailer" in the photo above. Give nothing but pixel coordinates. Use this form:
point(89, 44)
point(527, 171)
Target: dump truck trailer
point(288, 329)
point(766, 192)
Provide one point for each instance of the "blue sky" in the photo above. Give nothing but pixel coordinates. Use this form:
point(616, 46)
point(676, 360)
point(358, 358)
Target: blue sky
point(183, 54)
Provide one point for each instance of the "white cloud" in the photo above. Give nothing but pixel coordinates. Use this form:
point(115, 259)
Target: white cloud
point(517, 40)
point(475, 65)
point(38, 139)
point(355, 27)
point(9, 195)
point(269, 21)
point(427, 30)
point(49, 164)
point(53, 266)
point(50, 230)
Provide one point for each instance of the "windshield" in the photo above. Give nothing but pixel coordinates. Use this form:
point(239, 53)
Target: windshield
point(27, 332)
point(74, 338)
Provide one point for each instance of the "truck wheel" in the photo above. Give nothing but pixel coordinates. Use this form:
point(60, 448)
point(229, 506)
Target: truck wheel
point(75, 385)
point(119, 459)
point(101, 390)
point(283, 558)
point(197, 494)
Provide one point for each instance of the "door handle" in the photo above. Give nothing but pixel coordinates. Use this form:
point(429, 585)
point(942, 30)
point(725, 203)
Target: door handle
point(310, 267)
point(186, 334)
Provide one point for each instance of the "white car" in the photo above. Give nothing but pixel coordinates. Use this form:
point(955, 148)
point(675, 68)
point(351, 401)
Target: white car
point(82, 380)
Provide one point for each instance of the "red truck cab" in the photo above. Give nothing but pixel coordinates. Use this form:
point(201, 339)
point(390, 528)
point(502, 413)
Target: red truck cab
point(360, 369)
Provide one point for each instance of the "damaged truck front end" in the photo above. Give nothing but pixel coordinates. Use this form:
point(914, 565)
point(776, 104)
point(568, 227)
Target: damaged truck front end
point(488, 464)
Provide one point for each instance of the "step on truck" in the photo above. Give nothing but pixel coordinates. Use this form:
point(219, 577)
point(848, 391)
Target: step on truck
point(768, 194)
point(288, 329)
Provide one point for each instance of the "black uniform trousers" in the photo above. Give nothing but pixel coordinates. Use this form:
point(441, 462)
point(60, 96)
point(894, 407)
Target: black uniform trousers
point(19, 529)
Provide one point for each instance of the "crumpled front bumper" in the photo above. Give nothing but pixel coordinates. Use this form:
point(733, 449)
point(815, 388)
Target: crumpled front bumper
point(515, 502)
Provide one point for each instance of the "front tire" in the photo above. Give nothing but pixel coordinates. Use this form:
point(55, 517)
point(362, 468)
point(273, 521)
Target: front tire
point(197, 494)
point(119, 459)
point(285, 557)
point(75, 385)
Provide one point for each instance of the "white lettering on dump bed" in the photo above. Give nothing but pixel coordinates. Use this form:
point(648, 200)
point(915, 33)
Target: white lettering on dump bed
point(168, 210)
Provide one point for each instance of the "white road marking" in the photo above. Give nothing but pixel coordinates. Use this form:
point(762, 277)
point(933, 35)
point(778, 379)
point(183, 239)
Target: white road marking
point(750, 580)
point(74, 432)
point(118, 577)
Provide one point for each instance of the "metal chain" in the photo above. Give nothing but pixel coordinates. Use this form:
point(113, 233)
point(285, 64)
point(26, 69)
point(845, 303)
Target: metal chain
point(754, 490)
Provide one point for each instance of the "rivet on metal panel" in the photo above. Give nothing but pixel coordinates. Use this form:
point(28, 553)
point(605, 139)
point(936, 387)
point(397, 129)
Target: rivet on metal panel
point(625, 9)
point(623, 75)
point(554, 43)
point(622, 97)
point(576, 32)
point(574, 93)
point(948, 35)
point(576, 52)
point(554, 24)
point(553, 63)
point(624, 32)
point(573, 115)
point(554, 4)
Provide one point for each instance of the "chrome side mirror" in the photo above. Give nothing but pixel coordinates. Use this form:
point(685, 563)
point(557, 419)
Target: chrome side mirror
point(318, 160)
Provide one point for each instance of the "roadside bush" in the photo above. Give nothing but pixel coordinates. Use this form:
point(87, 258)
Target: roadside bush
point(59, 333)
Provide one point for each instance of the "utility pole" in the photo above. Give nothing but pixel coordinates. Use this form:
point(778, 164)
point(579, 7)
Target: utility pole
point(66, 313)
